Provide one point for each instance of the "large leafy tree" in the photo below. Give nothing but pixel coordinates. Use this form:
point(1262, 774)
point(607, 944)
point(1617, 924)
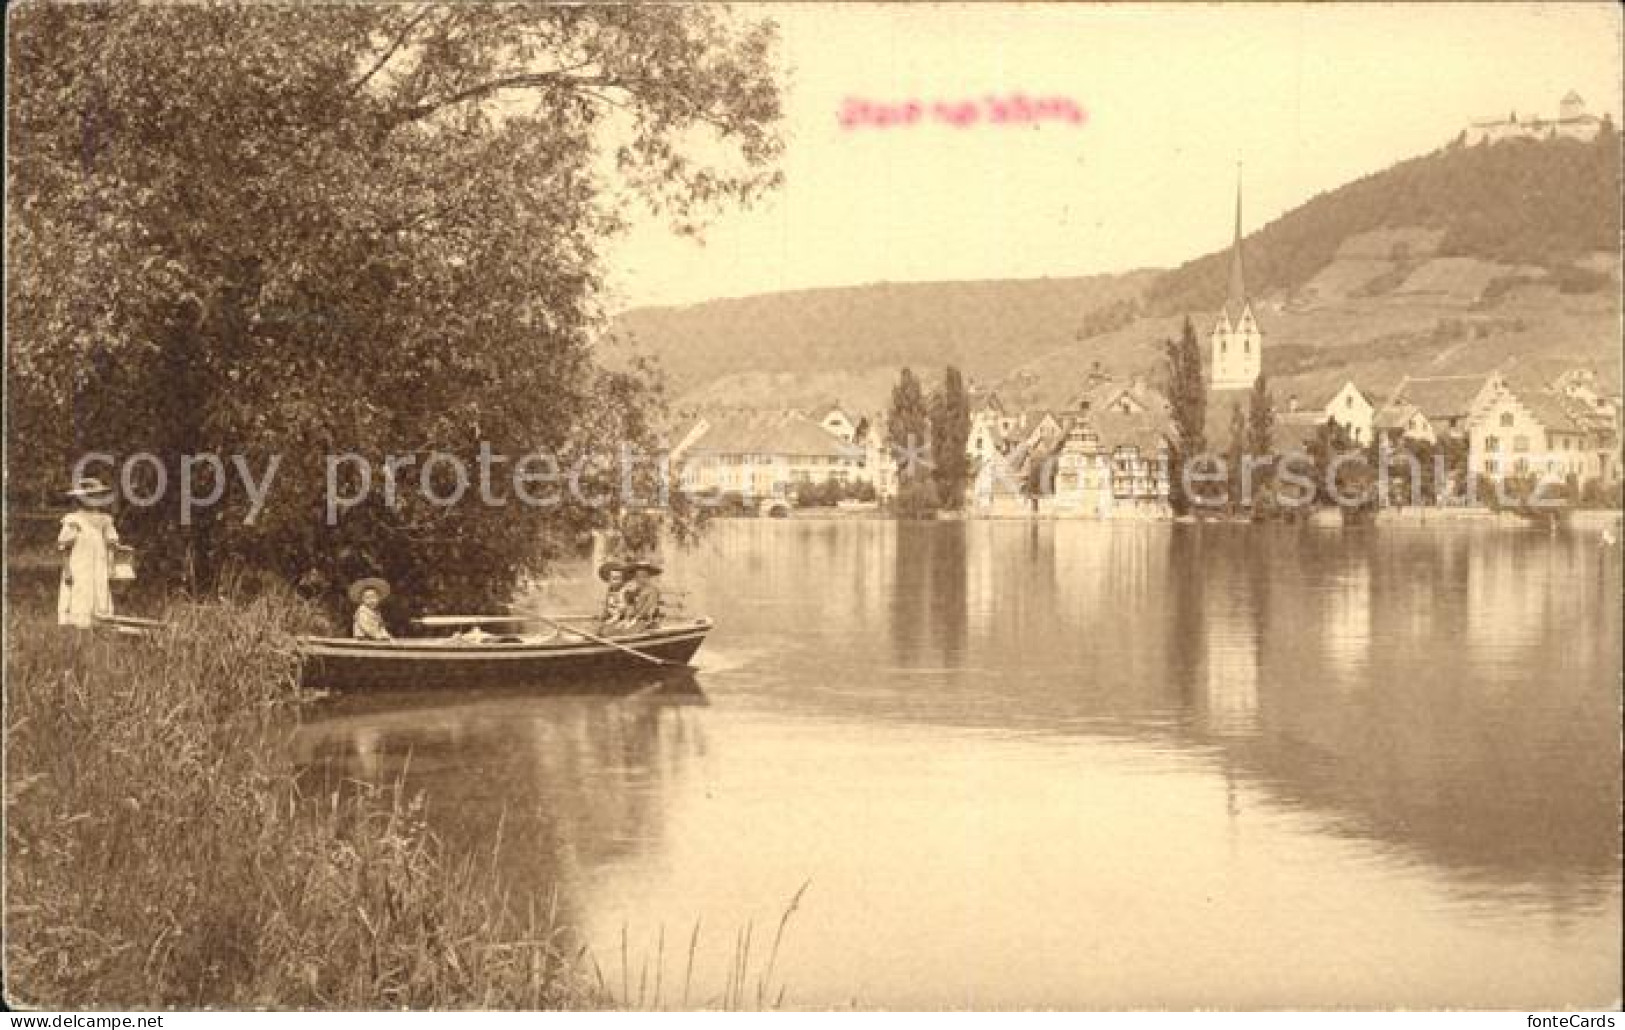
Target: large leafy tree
point(950, 430)
point(317, 229)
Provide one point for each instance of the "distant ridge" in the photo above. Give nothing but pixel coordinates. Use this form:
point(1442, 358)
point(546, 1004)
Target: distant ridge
point(1458, 260)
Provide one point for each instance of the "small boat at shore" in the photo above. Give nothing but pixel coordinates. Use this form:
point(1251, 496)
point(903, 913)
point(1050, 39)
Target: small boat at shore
point(567, 659)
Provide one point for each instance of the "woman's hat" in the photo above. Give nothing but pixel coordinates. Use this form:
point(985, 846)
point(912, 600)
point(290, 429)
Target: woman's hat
point(89, 487)
point(649, 565)
point(361, 586)
point(612, 566)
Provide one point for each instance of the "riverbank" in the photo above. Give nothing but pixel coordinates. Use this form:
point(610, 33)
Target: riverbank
point(163, 852)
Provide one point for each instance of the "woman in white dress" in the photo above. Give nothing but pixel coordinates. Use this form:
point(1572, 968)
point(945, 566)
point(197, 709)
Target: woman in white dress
point(90, 539)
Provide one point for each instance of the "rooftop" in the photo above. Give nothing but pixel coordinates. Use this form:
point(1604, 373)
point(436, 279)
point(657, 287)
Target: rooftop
point(769, 433)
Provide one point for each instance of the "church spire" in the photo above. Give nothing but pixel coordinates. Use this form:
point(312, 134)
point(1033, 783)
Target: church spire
point(1236, 300)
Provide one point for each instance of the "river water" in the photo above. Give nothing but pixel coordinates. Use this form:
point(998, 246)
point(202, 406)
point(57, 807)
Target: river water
point(1075, 765)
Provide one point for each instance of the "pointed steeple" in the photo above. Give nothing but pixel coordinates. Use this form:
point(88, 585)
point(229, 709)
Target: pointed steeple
point(1236, 299)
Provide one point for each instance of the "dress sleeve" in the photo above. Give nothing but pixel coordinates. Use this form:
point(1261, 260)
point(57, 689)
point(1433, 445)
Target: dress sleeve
point(111, 532)
point(70, 530)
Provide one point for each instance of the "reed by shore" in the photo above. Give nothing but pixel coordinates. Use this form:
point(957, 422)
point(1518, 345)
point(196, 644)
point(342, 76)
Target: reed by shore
point(163, 852)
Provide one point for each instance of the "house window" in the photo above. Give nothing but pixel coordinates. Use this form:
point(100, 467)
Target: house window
point(1348, 400)
point(1492, 443)
point(1506, 419)
point(1520, 444)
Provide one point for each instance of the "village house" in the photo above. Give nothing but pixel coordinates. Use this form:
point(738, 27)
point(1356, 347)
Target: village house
point(1113, 464)
point(1347, 406)
point(1045, 431)
point(986, 441)
point(765, 454)
point(988, 411)
point(839, 424)
point(1528, 430)
point(1433, 408)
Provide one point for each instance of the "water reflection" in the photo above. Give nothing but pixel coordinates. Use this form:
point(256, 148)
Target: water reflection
point(553, 788)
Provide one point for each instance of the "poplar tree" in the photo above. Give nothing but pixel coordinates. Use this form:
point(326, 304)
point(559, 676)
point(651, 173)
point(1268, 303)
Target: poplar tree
point(1186, 389)
point(950, 431)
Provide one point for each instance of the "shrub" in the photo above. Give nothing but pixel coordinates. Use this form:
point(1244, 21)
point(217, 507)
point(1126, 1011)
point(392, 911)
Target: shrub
point(917, 500)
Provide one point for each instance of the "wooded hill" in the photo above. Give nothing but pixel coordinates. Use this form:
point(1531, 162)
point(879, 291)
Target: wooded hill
point(1459, 260)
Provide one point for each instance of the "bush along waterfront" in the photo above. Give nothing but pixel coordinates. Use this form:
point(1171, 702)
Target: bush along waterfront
point(162, 851)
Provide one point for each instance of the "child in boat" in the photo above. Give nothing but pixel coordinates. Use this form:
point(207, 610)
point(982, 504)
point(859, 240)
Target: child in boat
point(613, 574)
point(368, 597)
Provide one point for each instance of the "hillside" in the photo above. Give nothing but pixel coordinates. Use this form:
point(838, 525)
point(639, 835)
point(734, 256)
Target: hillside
point(866, 333)
point(1457, 261)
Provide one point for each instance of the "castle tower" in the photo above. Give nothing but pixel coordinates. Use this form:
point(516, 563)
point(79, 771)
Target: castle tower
point(1237, 345)
point(1571, 106)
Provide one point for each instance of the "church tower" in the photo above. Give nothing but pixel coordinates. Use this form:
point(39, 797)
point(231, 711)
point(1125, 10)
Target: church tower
point(1236, 342)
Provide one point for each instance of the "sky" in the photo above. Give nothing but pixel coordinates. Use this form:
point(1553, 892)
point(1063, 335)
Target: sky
point(1172, 97)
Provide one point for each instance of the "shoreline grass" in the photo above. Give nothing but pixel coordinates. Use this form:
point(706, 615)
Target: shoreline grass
point(162, 851)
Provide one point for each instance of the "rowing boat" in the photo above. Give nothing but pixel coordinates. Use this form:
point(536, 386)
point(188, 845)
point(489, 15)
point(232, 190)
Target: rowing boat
point(566, 659)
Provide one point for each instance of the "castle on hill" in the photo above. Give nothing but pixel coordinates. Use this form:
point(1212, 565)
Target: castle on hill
point(1572, 122)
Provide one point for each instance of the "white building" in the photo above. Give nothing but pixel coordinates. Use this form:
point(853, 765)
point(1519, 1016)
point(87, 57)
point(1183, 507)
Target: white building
point(838, 424)
point(762, 455)
point(1237, 344)
point(1347, 406)
point(1531, 432)
point(1572, 122)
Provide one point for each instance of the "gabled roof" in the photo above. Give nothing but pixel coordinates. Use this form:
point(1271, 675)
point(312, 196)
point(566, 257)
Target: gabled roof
point(1551, 410)
point(990, 430)
point(1394, 416)
point(986, 400)
point(1440, 397)
point(1145, 431)
point(1326, 394)
point(1297, 430)
point(769, 433)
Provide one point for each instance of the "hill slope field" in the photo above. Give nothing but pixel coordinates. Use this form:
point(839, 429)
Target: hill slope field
point(1457, 261)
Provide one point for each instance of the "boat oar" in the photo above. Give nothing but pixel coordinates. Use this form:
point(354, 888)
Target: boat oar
point(604, 640)
point(467, 620)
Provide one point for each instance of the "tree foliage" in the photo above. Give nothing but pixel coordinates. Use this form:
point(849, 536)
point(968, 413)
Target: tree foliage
point(950, 430)
point(1186, 390)
point(298, 231)
point(908, 426)
point(1260, 419)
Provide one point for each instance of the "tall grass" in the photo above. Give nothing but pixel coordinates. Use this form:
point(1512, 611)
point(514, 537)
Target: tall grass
point(162, 852)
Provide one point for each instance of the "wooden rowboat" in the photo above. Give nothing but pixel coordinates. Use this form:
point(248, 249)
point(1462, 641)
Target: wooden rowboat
point(567, 659)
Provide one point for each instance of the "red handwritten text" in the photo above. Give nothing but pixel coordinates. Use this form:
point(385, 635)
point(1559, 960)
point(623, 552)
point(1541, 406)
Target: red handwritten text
point(1015, 109)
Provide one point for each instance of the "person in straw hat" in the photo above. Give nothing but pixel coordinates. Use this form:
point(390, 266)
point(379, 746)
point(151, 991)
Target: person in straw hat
point(613, 573)
point(643, 596)
point(89, 537)
point(368, 595)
